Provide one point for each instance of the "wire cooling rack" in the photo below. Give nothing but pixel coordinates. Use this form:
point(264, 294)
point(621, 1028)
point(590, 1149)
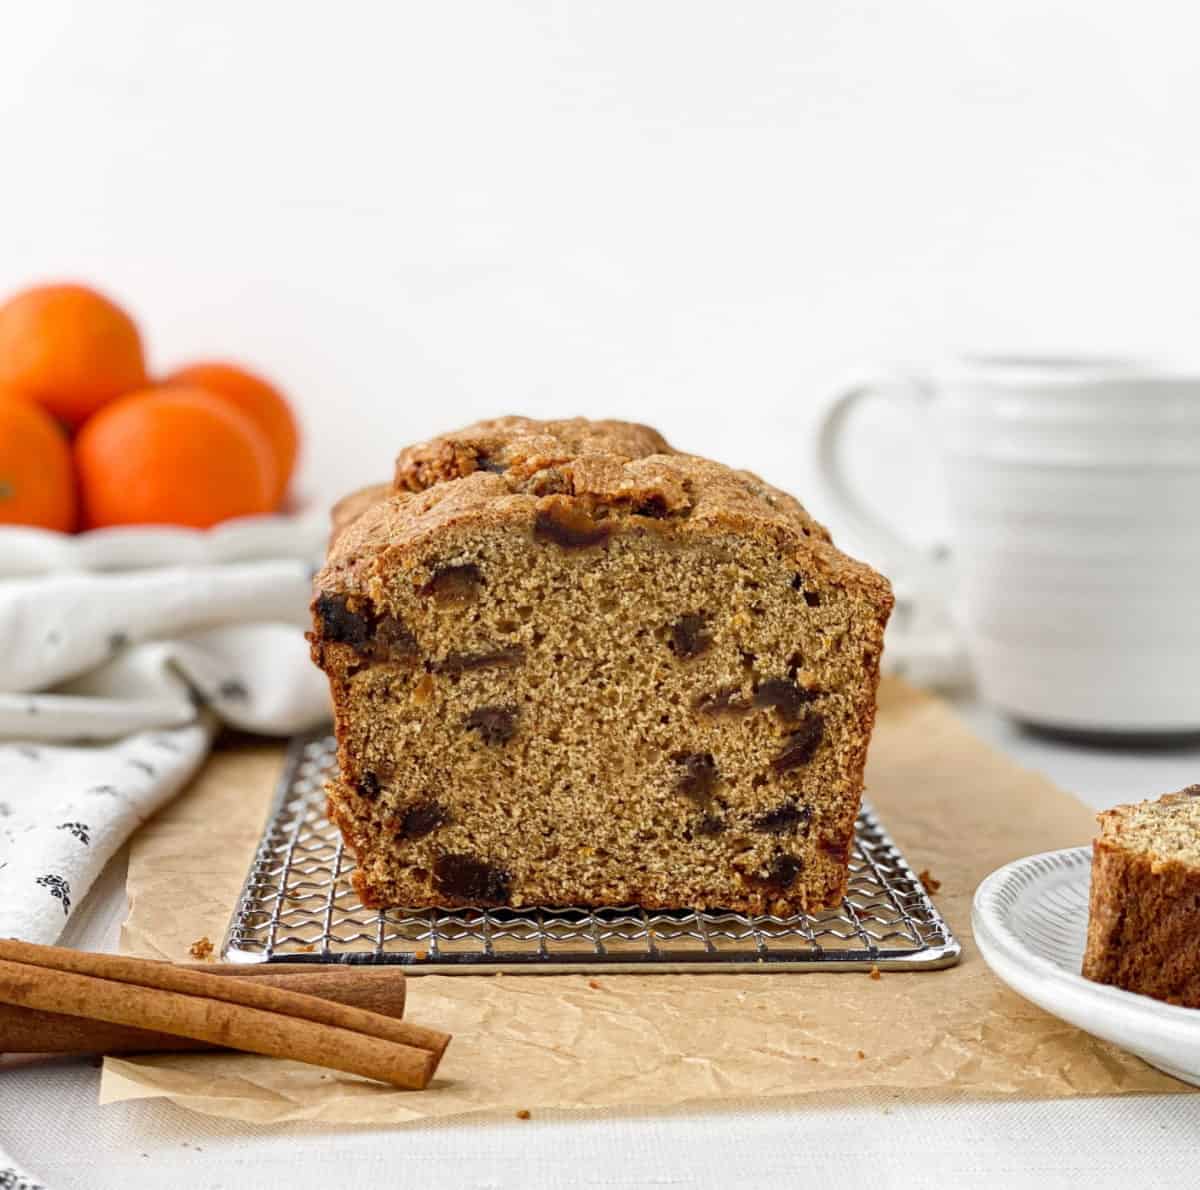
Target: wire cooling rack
point(298, 905)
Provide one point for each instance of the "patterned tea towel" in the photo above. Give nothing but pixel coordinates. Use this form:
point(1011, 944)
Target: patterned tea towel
point(13, 1177)
point(113, 684)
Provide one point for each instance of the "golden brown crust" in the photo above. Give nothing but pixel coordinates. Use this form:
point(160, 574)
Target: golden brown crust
point(622, 473)
point(350, 507)
point(1144, 910)
point(520, 444)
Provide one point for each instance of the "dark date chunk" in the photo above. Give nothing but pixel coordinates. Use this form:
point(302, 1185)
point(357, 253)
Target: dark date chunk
point(392, 641)
point(422, 819)
point(489, 464)
point(710, 825)
point(785, 696)
point(454, 586)
point(471, 879)
point(801, 746)
point(461, 663)
point(655, 507)
point(784, 818)
point(569, 527)
point(339, 624)
point(689, 636)
point(783, 870)
point(368, 786)
point(375, 637)
point(700, 775)
point(496, 725)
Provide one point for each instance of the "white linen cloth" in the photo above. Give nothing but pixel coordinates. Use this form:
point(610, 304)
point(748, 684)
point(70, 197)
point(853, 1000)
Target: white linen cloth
point(13, 1177)
point(113, 684)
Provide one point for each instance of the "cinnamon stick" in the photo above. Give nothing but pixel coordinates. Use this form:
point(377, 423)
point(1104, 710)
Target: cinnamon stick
point(250, 993)
point(29, 1031)
point(238, 1013)
point(251, 1029)
point(378, 989)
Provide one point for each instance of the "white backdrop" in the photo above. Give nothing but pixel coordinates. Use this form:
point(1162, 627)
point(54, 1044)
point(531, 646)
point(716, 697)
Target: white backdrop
point(412, 214)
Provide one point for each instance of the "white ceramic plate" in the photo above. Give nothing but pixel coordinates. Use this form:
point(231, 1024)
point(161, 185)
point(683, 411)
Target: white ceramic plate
point(1030, 922)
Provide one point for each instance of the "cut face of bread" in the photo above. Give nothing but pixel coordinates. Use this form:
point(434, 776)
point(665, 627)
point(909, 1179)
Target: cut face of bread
point(1144, 921)
point(572, 667)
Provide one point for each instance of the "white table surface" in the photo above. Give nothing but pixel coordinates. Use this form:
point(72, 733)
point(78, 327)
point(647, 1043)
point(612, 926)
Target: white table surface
point(49, 1119)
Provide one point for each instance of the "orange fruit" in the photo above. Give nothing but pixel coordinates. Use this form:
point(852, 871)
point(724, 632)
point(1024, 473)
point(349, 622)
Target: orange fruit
point(172, 456)
point(69, 349)
point(37, 482)
point(258, 400)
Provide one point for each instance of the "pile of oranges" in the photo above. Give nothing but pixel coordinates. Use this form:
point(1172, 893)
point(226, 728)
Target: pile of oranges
point(88, 440)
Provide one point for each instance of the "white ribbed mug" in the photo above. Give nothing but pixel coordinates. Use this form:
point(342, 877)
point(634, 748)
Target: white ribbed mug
point(1074, 575)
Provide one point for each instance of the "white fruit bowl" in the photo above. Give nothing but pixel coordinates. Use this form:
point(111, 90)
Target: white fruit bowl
point(25, 552)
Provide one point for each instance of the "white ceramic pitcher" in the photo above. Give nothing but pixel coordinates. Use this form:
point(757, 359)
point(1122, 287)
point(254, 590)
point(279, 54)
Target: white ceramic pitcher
point(1074, 573)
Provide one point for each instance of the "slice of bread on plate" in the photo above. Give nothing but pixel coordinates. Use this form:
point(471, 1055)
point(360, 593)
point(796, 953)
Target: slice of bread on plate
point(1144, 915)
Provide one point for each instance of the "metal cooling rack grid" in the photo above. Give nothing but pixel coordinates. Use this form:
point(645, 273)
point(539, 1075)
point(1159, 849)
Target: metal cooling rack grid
point(297, 905)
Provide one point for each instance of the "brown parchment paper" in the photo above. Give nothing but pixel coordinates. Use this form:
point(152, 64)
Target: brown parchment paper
point(952, 804)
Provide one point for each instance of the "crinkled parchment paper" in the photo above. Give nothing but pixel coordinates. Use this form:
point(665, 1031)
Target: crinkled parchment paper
point(952, 804)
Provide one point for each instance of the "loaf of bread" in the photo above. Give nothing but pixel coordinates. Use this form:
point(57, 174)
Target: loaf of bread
point(572, 666)
point(1144, 913)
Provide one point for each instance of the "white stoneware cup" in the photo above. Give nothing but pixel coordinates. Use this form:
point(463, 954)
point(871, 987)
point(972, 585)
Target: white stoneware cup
point(1074, 556)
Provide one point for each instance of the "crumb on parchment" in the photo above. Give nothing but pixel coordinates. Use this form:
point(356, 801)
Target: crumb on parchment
point(523, 1114)
point(874, 973)
point(860, 1055)
point(927, 878)
point(594, 984)
point(201, 949)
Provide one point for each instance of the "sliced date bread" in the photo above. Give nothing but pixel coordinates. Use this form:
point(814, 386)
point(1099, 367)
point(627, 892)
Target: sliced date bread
point(1144, 913)
point(570, 665)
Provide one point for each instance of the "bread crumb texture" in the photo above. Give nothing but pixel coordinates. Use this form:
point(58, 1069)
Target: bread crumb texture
point(201, 949)
point(572, 666)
